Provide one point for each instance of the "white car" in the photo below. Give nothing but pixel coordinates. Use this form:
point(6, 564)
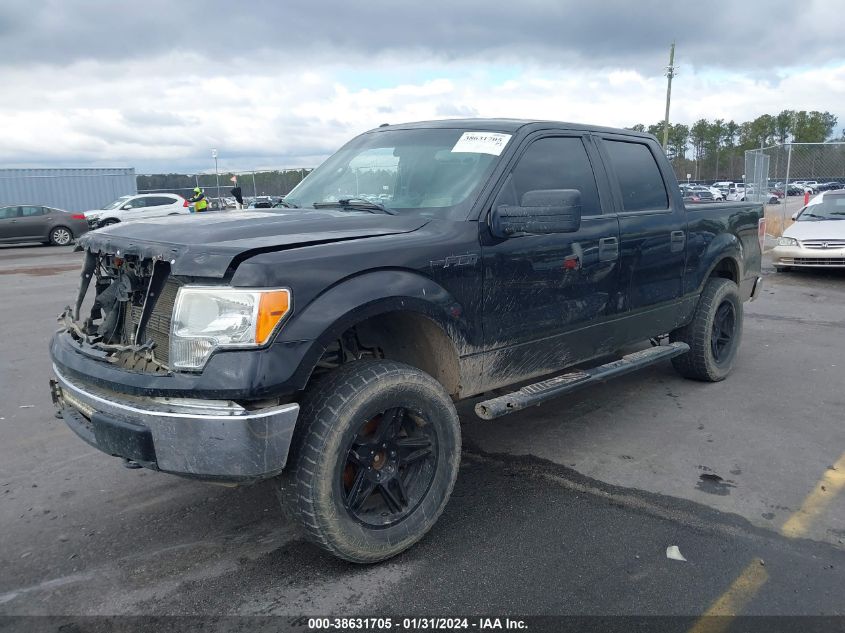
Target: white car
point(137, 207)
point(809, 186)
point(737, 193)
point(817, 239)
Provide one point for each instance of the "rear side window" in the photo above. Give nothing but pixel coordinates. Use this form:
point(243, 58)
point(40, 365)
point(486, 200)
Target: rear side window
point(639, 178)
point(553, 163)
point(159, 201)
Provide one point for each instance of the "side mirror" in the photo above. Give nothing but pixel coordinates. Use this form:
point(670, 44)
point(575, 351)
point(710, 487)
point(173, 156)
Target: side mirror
point(540, 212)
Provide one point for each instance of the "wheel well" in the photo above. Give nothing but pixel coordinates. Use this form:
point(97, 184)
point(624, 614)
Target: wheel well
point(726, 269)
point(406, 337)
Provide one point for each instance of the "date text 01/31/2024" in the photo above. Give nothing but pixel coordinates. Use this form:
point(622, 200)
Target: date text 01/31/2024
point(413, 624)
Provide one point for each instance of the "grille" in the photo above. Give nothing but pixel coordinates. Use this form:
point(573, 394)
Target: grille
point(158, 325)
point(837, 243)
point(819, 261)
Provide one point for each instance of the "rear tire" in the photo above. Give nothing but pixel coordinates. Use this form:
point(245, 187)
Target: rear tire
point(60, 236)
point(714, 334)
point(373, 461)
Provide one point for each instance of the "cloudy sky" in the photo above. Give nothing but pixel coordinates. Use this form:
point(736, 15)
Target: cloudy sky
point(156, 84)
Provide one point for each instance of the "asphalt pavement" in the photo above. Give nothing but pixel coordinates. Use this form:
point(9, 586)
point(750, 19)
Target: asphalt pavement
point(567, 508)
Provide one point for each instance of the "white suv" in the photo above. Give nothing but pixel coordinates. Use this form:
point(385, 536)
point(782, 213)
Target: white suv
point(138, 207)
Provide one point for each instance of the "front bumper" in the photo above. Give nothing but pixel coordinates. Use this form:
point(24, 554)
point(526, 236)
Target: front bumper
point(799, 256)
point(216, 440)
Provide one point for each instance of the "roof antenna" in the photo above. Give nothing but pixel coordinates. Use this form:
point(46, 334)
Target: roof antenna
point(384, 125)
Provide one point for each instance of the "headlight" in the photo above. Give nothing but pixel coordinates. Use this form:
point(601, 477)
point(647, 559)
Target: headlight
point(787, 241)
point(208, 318)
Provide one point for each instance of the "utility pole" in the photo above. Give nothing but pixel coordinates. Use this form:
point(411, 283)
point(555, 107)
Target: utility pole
point(670, 72)
point(216, 173)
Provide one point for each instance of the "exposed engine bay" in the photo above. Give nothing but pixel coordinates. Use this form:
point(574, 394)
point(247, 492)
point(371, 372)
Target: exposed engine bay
point(126, 291)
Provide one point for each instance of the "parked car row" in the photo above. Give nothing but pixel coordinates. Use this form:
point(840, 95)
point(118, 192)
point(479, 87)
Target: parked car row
point(701, 193)
point(39, 223)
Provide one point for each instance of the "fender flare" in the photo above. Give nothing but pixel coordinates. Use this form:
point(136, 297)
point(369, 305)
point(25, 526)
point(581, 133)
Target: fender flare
point(725, 246)
point(356, 299)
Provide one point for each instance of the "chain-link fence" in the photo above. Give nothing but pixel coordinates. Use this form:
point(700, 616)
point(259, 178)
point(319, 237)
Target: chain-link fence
point(789, 173)
point(254, 184)
point(801, 162)
point(756, 187)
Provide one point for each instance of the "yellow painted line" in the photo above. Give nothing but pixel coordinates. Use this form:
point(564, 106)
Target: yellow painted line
point(721, 613)
point(831, 483)
point(731, 602)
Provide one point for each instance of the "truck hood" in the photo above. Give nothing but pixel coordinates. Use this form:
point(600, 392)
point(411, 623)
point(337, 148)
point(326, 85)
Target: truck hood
point(205, 245)
point(817, 230)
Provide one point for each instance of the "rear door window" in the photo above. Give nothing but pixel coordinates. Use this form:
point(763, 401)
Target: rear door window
point(28, 212)
point(638, 176)
point(158, 201)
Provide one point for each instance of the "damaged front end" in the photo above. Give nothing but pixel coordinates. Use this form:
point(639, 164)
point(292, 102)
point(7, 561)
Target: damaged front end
point(126, 410)
point(129, 319)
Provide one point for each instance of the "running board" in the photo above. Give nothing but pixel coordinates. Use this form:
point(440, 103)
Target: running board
point(539, 392)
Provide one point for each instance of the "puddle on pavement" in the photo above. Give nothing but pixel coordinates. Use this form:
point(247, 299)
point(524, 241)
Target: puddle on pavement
point(714, 485)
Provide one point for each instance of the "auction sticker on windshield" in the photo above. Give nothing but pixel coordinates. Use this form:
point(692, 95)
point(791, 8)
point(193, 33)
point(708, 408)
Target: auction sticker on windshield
point(482, 143)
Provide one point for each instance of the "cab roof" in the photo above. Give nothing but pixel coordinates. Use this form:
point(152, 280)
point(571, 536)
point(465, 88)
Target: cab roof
point(508, 125)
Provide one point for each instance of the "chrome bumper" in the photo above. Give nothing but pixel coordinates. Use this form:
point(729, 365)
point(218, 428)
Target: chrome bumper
point(801, 256)
point(206, 439)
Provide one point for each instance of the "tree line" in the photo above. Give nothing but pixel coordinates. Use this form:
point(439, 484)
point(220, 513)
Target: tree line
point(715, 150)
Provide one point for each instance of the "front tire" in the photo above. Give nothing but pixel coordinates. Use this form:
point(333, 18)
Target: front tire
point(60, 236)
point(714, 334)
point(109, 222)
point(373, 460)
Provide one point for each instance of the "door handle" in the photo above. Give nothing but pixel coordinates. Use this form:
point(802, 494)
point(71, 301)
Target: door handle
point(678, 239)
point(608, 249)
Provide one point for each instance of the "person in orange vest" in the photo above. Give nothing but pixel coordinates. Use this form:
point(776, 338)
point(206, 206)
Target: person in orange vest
point(199, 200)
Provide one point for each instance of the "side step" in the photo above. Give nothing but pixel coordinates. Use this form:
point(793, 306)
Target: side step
point(539, 392)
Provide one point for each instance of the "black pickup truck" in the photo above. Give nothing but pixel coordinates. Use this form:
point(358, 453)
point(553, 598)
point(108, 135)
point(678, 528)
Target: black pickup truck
point(325, 343)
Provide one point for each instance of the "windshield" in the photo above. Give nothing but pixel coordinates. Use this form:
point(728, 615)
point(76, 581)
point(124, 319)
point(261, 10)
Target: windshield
point(830, 208)
point(116, 203)
point(429, 172)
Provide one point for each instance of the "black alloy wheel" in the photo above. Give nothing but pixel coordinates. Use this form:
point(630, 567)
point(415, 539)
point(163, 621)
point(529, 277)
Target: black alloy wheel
point(390, 465)
point(714, 333)
point(373, 459)
point(724, 327)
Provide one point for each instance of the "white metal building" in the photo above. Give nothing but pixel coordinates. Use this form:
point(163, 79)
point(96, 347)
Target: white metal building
point(69, 189)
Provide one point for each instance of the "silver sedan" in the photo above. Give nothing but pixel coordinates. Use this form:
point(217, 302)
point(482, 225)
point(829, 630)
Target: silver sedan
point(817, 238)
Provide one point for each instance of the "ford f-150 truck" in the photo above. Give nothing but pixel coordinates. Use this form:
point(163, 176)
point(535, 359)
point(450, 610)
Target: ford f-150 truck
point(325, 344)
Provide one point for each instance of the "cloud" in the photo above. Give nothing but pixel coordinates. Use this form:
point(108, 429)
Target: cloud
point(156, 84)
point(722, 33)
